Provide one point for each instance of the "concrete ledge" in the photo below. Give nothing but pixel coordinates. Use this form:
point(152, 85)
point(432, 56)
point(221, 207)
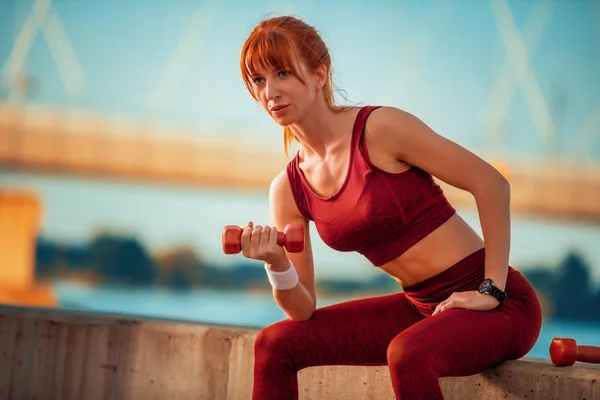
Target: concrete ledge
point(57, 354)
point(521, 379)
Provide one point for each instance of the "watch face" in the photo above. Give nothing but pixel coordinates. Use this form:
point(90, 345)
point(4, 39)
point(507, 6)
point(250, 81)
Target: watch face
point(485, 285)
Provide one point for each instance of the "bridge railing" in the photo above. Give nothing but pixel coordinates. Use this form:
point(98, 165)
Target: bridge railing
point(52, 141)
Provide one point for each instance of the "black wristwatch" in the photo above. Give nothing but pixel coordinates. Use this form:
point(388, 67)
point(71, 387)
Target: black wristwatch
point(488, 287)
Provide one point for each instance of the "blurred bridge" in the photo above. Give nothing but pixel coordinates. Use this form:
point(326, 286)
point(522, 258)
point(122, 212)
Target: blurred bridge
point(46, 141)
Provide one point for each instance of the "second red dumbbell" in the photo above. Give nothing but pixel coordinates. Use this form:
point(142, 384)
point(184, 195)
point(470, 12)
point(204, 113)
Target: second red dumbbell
point(565, 352)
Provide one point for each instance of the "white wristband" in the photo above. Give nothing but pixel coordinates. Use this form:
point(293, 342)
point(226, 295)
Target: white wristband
point(282, 280)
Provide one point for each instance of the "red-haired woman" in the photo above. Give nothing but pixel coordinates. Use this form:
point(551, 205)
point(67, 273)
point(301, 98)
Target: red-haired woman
point(363, 175)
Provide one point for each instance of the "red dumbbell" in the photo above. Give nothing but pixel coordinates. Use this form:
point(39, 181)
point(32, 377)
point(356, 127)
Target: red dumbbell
point(292, 238)
point(564, 352)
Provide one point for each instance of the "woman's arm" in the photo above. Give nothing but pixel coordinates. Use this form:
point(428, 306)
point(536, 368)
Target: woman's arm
point(414, 142)
point(299, 303)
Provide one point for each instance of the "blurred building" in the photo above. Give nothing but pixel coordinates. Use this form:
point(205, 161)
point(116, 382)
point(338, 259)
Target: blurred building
point(20, 215)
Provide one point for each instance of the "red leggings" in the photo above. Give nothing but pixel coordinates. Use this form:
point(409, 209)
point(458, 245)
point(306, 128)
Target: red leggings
point(398, 330)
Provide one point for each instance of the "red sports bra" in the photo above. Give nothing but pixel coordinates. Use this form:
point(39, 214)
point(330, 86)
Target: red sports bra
point(376, 213)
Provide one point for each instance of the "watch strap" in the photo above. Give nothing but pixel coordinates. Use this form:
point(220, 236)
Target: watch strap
point(497, 293)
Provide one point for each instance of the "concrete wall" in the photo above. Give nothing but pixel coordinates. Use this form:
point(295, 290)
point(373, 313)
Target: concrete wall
point(53, 354)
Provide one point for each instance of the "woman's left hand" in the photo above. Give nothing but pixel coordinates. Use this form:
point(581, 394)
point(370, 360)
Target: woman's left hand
point(471, 300)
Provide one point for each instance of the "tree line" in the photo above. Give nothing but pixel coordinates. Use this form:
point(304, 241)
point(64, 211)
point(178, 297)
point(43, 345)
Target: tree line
point(567, 291)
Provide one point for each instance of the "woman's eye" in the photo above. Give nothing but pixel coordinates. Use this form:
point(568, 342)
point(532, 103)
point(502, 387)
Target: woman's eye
point(284, 74)
point(257, 80)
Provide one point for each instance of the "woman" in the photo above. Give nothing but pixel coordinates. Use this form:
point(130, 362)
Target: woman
point(364, 177)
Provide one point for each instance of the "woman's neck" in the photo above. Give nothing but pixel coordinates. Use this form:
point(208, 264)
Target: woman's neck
point(322, 129)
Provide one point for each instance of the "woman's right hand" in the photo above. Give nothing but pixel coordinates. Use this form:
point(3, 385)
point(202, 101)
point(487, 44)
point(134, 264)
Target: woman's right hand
point(260, 243)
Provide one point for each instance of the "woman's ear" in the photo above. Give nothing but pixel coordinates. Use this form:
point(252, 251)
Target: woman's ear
point(321, 75)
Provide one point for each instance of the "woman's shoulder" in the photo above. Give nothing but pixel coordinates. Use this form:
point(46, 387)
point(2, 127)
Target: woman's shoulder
point(283, 184)
point(283, 195)
point(387, 123)
point(385, 115)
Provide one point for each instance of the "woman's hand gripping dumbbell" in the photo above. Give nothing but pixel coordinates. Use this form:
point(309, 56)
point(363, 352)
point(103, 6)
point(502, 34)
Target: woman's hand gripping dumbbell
point(263, 243)
point(267, 244)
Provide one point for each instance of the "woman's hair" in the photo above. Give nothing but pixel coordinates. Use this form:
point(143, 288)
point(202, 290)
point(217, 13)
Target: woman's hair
point(278, 43)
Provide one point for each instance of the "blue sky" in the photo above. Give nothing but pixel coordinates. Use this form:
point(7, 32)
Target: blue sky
point(436, 59)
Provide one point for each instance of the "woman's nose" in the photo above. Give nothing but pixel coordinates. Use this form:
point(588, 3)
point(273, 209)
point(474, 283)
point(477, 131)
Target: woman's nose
point(272, 90)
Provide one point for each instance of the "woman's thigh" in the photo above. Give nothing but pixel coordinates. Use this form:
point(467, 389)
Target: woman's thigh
point(355, 332)
point(456, 342)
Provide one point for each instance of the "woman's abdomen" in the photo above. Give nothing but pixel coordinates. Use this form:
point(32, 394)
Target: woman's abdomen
point(448, 244)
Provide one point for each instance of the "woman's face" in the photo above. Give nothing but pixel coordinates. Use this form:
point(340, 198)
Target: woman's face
point(285, 98)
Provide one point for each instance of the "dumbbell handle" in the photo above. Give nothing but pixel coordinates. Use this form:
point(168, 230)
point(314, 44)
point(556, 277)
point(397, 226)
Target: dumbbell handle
point(589, 354)
point(280, 238)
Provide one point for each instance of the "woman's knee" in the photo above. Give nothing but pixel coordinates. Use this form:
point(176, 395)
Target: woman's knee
point(275, 341)
point(406, 353)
